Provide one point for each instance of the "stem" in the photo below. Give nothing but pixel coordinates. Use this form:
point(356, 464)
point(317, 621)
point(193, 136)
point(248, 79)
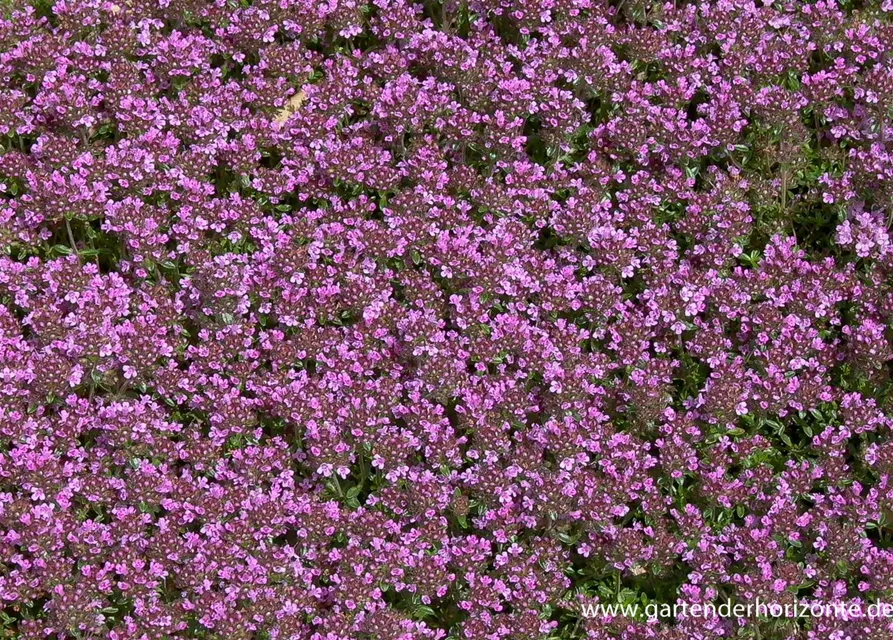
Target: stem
point(362, 470)
point(74, 246)
point(735, 162)
point(784, 190)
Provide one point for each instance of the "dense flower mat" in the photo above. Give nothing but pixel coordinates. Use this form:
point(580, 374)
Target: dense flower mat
point(382, 319)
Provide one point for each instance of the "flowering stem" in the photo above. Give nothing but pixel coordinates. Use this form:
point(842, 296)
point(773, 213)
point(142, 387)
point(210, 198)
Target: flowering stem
point(74, 246)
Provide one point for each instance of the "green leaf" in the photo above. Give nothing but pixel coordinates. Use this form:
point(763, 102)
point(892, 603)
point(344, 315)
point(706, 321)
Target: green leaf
point(423, 612)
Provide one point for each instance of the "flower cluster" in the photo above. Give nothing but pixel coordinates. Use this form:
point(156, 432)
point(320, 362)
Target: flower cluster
point(405, 320)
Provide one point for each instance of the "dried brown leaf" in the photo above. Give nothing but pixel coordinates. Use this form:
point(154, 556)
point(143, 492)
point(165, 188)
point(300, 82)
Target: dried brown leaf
point(294, 103)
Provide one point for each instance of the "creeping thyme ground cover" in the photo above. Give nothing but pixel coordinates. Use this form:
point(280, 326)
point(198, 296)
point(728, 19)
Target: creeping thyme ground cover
point(395, 319)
